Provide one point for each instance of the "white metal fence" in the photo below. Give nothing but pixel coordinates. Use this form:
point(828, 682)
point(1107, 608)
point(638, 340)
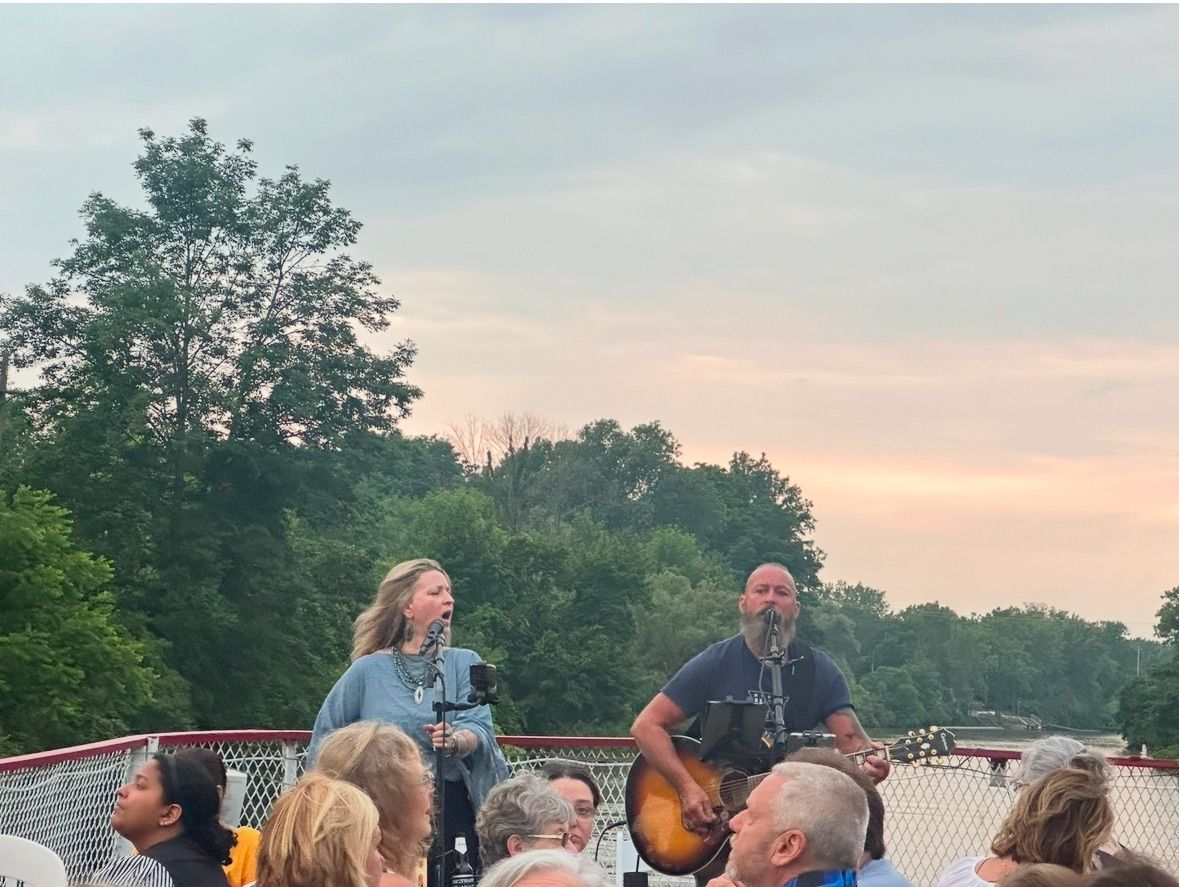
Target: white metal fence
point(935, 813)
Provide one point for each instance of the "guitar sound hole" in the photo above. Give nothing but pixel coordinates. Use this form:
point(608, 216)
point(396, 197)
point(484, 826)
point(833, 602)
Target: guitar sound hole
point(734, 790)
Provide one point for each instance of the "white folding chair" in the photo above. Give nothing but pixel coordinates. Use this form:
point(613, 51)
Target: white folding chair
point(22, 860)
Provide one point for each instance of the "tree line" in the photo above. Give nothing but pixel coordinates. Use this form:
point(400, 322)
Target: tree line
point(206, 482)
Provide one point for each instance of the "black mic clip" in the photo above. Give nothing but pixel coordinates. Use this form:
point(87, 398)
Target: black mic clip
point(433, 636)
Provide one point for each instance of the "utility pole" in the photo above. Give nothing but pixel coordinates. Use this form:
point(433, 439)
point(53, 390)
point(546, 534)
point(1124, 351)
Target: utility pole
point(4, 358)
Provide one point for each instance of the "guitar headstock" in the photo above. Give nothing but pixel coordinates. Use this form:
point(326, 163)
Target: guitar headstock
point(921, 746)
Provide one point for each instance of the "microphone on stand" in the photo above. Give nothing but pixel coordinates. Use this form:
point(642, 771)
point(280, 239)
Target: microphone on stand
point(433, 636)
point(771, 617)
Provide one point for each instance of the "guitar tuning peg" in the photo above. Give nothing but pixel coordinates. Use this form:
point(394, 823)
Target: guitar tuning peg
point(934, 728)
point(910, 756)
point(911, 733)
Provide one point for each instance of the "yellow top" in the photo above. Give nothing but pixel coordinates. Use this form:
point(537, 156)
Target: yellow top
point(243, 865)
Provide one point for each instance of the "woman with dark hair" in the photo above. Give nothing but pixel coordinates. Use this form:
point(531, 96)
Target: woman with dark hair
point(576, 785)
point(169, 812)
point(243, 866)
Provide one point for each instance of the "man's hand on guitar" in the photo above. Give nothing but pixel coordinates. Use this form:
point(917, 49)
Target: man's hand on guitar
point(876, 766)
point(696, 810)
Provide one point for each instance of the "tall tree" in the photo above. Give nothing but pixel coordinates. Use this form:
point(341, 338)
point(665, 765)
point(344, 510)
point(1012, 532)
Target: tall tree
point(196, 354)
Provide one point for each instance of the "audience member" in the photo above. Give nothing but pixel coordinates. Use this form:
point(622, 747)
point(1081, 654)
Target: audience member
point(243, 864)
point(1130, 870)
point(1055, 752)
point(387, 765)
point(535, 868)
point(1062, 819)
point(874, 869)
point(1042, 874)
point(576, 785)
point(169, 813)
point(803, 824)
point(324, 832)
point(523, 813)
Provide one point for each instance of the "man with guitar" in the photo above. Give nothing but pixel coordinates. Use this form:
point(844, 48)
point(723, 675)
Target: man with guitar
point(814, 691)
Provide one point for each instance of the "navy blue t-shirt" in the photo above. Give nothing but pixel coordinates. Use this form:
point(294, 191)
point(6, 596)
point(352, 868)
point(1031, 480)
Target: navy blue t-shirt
point(728, 670)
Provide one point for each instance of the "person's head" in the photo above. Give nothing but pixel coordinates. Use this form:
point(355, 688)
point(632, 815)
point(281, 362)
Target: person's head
point(323, 831)
point(576, 785)
point(769, 586)
point(411, 596)
point(801, 817)
point(523, 813)
point(211, 763)
point(1054, 752)
point(1042, 874)
point(536, 868)
point(171, 796)
point(1129, 870)
point(1062, 818)
point(829, 757)
point(385, 763)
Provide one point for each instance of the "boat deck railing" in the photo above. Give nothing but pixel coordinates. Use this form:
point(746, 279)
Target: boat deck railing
point(935, 812)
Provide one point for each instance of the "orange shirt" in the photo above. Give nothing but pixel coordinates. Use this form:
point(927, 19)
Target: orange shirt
point(243, 859)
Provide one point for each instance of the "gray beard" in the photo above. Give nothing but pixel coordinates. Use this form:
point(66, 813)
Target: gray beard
point(753, 628)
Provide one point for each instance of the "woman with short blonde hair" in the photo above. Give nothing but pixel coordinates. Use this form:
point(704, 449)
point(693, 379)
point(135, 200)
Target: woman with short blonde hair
point(322, 832)
point(387, 766)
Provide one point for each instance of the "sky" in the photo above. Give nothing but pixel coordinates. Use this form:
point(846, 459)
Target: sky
point(922, 257)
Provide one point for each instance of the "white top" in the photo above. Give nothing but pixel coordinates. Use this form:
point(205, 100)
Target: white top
point(961, 873)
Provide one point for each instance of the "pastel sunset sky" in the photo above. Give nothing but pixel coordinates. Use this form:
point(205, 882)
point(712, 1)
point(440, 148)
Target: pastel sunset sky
point(924, 257)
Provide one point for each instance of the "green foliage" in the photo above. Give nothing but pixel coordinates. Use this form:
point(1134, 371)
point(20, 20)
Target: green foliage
point(69, 672)
point(228, 451)
point(1148, 709)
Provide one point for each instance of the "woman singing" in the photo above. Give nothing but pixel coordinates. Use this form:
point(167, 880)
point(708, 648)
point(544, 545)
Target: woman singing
point(390, 681)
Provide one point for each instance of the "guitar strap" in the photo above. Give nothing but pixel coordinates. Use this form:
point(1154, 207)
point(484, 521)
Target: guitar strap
point(799, 685)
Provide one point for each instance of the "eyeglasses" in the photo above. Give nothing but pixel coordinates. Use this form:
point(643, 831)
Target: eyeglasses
point(566, 838)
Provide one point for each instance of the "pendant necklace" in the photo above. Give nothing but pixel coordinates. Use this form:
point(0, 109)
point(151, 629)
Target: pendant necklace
point(415, 682)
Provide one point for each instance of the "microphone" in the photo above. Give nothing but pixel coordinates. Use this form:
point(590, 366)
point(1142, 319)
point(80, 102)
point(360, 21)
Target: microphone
point(771, 618)
point(433, 636)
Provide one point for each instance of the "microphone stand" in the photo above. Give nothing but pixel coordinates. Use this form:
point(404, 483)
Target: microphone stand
point(441, 707)
point(774, 659)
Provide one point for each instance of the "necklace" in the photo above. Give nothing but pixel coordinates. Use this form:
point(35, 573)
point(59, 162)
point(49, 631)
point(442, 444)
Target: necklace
point(416, 682)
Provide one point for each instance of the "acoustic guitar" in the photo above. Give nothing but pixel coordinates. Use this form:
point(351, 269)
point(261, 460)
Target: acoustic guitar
point(654, 815)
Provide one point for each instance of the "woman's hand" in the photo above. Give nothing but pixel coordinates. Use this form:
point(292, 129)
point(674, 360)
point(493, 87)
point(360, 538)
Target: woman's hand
point(454, 743)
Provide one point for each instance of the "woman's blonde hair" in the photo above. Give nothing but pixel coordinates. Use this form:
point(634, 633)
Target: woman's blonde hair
point(318, 833)
point(384, 624)
point(1063, 818)
point(386, 764)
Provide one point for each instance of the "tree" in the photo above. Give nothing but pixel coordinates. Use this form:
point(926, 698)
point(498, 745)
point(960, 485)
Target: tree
point(201, 375)
point(1148, 710)
point(69, 672)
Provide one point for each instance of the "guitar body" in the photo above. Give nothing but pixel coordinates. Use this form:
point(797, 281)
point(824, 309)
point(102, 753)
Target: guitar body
point(653, 812)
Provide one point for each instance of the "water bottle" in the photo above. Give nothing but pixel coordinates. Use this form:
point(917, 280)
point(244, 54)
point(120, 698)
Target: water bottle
point(461, 875)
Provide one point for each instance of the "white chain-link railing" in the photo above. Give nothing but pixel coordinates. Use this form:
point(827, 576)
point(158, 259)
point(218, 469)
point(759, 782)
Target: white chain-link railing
point(936, 813)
